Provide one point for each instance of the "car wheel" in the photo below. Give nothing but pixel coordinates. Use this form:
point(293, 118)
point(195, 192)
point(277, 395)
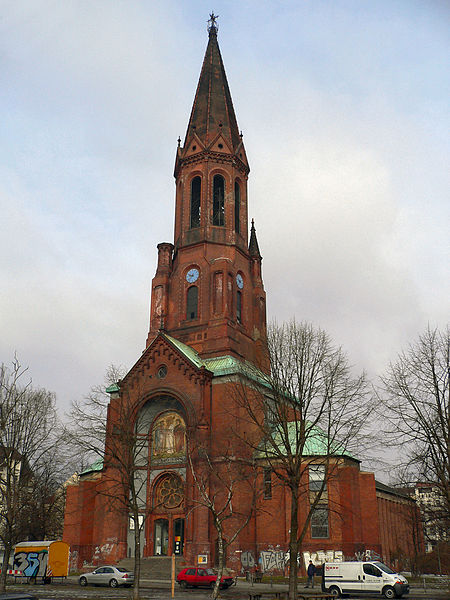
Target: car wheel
point(113, 583)
point(183, 585)
point(212, 584)
point(335, 591)
point(83, 581)
point(389, 592)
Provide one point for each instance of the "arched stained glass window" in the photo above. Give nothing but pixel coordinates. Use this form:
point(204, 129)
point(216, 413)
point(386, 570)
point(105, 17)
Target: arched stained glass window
point(237, 207)
point(192, 303)
point(218, 200)
point(169, 492)
point(168, 436)
point(196, 188)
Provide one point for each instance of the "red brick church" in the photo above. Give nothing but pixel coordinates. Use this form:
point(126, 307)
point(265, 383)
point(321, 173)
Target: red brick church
point(207, 324)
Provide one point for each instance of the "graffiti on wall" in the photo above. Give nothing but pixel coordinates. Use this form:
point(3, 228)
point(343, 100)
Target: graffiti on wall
point(73, 560)
point(277, 560)
point(321, 556)
point(102, 553)
point(273, 560)
point(367, 555)
point(247, 560)
point(32, 564)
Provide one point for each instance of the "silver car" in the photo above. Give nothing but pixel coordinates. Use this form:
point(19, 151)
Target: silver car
point(112, 576)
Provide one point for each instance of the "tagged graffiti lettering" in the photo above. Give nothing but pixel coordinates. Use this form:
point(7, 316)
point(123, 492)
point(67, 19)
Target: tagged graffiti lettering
point(321, 556)
point(32, 564)
point(273, 560)
point(367, 555)
point(247, 560)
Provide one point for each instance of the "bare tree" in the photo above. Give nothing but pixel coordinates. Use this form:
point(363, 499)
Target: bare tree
point(414, 395)
point(222, 482)
point(45, 498)
point(302, 418)
point(123, 451)
point(28, 429)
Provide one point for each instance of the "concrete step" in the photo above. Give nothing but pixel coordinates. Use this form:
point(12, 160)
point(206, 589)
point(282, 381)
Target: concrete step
point(155, 567)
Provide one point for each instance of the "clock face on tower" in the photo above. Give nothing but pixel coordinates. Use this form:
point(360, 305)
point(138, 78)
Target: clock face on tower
point(192, 275)
point(239, 281)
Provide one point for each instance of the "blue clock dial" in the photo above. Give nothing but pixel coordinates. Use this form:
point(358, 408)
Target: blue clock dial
point(239, 281)
point(192, 275)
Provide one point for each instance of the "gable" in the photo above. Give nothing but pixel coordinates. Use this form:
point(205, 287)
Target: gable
point(167, 352)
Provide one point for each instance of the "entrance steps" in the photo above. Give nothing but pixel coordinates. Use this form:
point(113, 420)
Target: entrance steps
point(155, 567)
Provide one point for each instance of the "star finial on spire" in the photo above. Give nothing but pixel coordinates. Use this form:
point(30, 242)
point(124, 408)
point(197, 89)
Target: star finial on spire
point(212, 23)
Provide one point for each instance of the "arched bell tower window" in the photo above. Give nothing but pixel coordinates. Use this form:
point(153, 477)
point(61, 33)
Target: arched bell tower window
point(239, 307)
point(218, 200)
point(196, 188)
point(237, 207)
point(192, 303)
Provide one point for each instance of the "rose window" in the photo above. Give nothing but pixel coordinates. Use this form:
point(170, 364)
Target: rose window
point(170, 492)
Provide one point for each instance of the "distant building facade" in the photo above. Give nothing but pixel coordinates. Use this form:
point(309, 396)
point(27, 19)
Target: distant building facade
point(436, 527)
point(207, 323)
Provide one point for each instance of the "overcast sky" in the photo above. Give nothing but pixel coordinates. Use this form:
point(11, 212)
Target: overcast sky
point(344, 110)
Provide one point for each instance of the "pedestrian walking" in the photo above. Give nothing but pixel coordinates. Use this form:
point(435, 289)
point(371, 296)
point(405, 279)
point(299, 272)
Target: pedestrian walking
point(310, 572)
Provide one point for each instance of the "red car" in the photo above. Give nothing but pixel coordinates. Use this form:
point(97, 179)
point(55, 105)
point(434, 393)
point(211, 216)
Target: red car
point(197, 577)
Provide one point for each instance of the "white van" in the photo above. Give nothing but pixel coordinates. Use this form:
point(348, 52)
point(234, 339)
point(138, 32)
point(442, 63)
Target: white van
point(362, 578)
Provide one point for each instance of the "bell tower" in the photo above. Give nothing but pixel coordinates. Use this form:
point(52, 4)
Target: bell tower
point(208, 290)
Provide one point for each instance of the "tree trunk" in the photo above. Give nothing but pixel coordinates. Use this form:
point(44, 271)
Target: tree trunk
point(137, 558)
point(293, 547)
point(221, 557)
point(5, 565)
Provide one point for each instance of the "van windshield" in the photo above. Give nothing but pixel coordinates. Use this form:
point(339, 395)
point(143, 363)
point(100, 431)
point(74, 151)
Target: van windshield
point(384, 568)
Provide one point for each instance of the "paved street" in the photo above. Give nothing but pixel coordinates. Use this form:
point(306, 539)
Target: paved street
point(152, 590)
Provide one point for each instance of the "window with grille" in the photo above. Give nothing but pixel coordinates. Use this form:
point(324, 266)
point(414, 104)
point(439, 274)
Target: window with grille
point(319, 523)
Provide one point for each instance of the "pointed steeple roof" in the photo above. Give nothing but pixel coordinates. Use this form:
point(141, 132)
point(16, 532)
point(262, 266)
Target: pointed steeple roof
point(213, 112)
point(253, 248)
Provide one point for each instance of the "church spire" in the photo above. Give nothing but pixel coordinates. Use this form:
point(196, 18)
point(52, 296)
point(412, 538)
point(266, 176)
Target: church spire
point(212, 111)
point(208, 290)
point(253, 248)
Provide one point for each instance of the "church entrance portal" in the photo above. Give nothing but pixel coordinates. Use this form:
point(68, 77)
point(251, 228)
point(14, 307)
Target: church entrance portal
point(168, 536)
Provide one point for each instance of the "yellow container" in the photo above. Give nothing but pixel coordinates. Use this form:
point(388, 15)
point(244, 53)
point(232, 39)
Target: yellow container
point(42, 559)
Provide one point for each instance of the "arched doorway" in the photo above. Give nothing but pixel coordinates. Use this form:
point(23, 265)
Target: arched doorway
point(167, 524)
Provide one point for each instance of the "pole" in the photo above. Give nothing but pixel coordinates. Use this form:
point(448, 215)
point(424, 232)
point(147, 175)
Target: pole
point(173, 575)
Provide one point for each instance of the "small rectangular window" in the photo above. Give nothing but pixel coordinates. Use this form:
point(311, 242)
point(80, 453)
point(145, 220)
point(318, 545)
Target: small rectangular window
point(267, 484)
point(319, 523)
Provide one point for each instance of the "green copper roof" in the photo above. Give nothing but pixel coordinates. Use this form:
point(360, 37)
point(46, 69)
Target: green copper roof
point(94, 467)
point(189, 352)
point(219, 365)
point(112, 388)
point(317, 442)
